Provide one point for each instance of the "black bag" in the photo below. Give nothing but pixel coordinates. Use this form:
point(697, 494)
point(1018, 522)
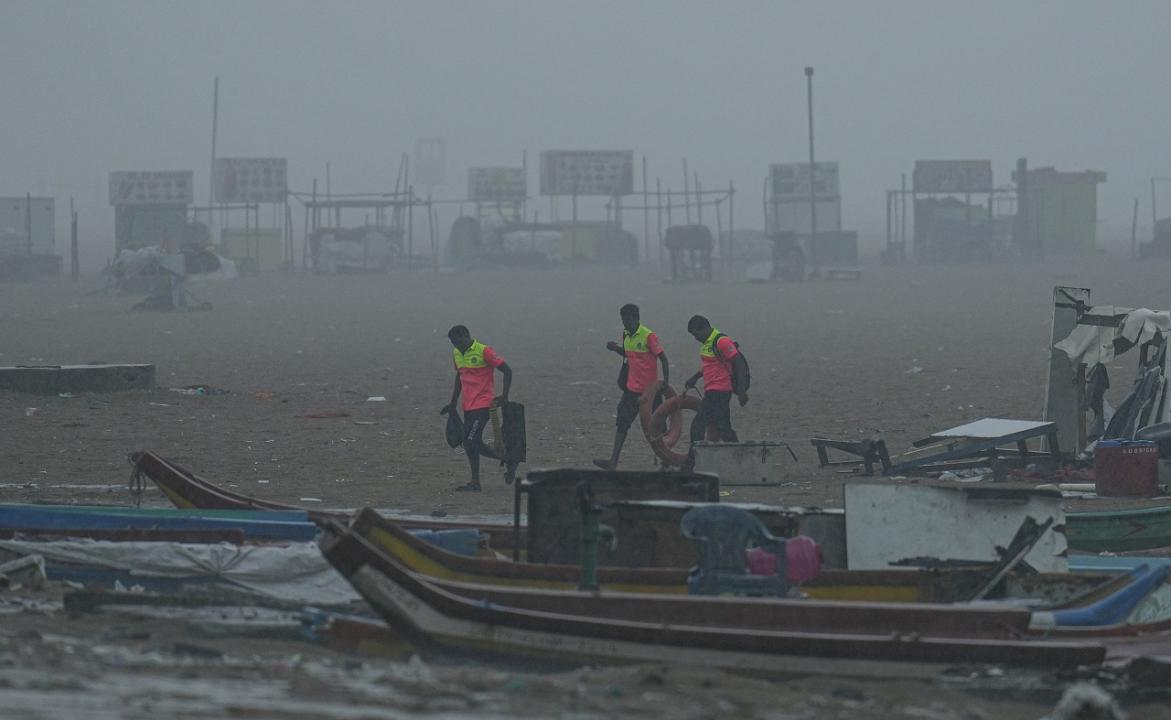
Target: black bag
point(515, 439)
point(747, 370)
point(455, 429)
point(623, 375)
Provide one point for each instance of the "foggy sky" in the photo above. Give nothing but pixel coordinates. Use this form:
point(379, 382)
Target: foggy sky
point(90, 87)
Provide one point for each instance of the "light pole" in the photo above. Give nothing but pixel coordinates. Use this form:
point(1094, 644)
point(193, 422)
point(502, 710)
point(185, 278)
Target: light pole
point(812, 175)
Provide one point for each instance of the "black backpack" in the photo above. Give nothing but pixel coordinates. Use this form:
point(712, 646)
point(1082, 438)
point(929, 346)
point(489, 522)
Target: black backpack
point(747, 369)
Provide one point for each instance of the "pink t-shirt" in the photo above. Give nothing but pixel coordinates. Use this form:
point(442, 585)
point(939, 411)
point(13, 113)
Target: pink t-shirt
point(643, 365)
point(717, 368)
point(477, 385)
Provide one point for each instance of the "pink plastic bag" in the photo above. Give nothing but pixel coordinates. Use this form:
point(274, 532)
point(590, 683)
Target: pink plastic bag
point(802, 560)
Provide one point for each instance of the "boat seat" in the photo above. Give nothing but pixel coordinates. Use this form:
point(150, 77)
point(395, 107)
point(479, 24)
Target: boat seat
point(722, 537)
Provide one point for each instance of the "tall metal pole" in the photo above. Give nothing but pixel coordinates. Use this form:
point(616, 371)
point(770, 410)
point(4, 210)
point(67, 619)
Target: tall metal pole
point(812, 175)
point(686, 192)
point(215, 120)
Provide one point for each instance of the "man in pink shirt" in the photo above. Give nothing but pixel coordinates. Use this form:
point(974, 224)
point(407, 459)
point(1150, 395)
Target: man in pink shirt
point(724, 372)
point(475, 364)
point(642, 356)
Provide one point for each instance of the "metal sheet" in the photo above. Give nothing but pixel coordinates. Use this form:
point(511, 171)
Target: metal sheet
point(492, 184)
point(952, 176)
point(13, 235)
point(587, 172)
point(790, 181)
point(992, 428)
point(743, 463)
point(152, 187)
point(887, 522)
point(250, 180)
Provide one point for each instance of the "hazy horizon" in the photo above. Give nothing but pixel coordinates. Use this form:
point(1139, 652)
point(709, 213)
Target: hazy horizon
point(126, 85)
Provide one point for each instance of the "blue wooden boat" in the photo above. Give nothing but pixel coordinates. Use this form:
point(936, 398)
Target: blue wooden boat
point(47, 517)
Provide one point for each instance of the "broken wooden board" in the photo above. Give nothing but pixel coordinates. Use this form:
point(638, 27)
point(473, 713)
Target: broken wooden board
point(57, 379)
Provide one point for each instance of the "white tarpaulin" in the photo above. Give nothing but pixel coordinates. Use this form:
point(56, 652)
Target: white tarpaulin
point(296, 572)
point(1093, 344)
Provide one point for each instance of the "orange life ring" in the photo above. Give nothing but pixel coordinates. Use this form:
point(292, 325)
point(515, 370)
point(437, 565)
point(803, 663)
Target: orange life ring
point(646, 409)
point(673, 407)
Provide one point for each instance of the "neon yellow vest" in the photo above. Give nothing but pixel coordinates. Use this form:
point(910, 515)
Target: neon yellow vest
point(638, 341)
point(708, 349)
point(473, 358)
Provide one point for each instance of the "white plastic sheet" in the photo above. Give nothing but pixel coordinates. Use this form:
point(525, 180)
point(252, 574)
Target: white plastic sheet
point(296, 572)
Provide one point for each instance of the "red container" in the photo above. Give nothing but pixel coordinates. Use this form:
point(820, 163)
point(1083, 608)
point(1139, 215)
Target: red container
point(1127, 468)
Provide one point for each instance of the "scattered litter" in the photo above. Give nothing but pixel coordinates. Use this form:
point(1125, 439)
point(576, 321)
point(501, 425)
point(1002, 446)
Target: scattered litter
point(914, 370)
point(28, 571)
point(946, 388)
point(200, 390)
point(376, 398)
point(365, 422)
point(584, 382)
point(65, 395)
point(29, 412)
point(1086, 701)
point(327, 414)
point(309, 499)
point(264, 394)
point(155, 404)
point(74, 425)
point(727, 493)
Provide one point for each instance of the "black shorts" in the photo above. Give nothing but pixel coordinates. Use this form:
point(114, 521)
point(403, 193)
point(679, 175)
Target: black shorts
point(628, 407)
point(627, 410)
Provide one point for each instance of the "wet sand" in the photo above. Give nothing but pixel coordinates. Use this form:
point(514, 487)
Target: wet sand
point(902, 353)
point(828, 358)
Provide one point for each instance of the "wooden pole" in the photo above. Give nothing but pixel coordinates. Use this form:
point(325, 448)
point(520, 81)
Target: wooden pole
point(1154, 210)
point(74, 255)
point(903, 219)
point(1134, 232)
point(698, 199)
point(288, 236)
point(28, 222)
point(719, 229)
point(659, 216)
point(646, 216)
point(731, 225)
point(888, 219)
point(432, 221)
point(215, 118)
point(686, 192)
point(410, 227)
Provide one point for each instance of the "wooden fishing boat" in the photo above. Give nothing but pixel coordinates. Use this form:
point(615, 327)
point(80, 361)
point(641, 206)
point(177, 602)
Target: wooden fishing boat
point(187, 490)
point(774, 637)
point(1119, 530)
point(51, 517)
point(1099, 531)
point(1057, 589)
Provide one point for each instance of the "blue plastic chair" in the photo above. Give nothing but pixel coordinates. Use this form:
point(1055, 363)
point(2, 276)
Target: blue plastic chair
point(722, 535)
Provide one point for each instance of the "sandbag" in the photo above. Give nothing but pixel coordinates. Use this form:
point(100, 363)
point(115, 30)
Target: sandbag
point(455, 429)
point(515, 438)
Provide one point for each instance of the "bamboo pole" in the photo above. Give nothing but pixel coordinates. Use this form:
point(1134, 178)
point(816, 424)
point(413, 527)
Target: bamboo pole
point(646, 216)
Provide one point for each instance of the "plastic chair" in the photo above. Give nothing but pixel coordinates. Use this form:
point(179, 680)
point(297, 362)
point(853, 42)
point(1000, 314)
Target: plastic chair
point(722, 536)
